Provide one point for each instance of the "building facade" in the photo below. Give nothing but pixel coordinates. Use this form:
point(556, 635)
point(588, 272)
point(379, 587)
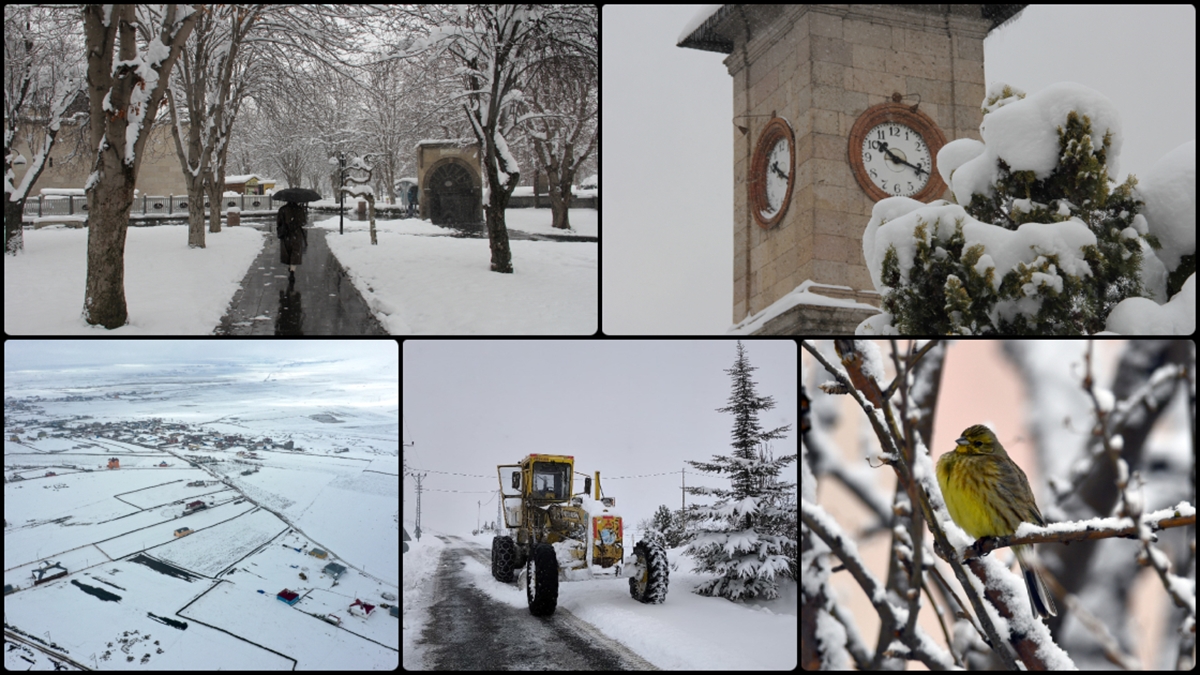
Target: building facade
point(817, 88)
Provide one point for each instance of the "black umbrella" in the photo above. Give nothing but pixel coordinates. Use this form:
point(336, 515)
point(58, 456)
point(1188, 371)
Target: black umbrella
point(297, 195)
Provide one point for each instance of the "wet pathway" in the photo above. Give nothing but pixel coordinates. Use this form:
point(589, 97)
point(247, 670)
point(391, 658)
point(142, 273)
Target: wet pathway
point(323, 301)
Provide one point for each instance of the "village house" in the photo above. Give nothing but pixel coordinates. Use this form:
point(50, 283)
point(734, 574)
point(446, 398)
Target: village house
point(360, 608)
point(335, 570)
point(48, 572)
point(290, 597)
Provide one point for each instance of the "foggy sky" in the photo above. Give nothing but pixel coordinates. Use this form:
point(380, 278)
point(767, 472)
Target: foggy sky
point(50, 354)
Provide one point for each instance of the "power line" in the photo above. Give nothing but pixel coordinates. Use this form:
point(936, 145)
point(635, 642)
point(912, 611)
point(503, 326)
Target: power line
point(649, 475)
point(462, 492)
point(452, 473)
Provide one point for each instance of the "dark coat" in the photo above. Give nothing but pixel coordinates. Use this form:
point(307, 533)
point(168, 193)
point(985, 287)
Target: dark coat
point(289, 228)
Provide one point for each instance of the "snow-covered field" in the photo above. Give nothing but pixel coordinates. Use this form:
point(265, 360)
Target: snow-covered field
point(136, 595)
point(687, 632)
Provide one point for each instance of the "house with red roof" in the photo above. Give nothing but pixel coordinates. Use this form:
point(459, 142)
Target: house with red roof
point(360, 608)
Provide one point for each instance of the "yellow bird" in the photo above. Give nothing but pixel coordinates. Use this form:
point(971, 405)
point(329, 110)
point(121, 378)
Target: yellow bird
point(988, 496)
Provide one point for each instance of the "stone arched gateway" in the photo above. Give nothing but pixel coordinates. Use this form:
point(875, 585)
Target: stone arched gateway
point(451, 187)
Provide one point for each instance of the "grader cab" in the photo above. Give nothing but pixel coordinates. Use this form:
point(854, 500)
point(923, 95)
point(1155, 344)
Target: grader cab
point(557, 534)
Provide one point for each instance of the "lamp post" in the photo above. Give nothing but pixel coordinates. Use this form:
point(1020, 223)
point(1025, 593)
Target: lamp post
point(341, 192)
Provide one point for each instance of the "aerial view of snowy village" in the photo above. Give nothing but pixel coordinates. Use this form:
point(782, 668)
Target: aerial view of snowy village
point(201, 505)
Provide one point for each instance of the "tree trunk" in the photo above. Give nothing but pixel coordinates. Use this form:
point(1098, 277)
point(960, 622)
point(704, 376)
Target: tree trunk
point(14, 236)
point(498, 236)
point(195, 212)
point(214, 204)
point(109, 204)
point(559, 205)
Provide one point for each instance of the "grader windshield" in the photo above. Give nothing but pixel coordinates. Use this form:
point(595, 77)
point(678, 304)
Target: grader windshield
point(551, 481)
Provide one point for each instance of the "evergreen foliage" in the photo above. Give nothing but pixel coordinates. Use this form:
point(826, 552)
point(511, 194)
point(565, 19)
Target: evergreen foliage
point(749, 536)
point(1041, 297)
point(670, 524)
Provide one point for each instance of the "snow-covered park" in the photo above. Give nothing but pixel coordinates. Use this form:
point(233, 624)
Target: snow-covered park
point(419, 279)
point(156, 176)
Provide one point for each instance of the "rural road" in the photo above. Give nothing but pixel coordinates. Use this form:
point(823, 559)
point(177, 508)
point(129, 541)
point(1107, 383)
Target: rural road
point(470, 631)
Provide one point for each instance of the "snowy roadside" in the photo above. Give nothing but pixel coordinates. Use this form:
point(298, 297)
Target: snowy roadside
point(416, 593)
point(687, 632)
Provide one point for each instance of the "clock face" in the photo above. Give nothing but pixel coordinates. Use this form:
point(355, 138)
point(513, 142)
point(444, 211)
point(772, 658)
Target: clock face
point(772, 174)
point(893, 150)
point(779, 173)
point(896, 159)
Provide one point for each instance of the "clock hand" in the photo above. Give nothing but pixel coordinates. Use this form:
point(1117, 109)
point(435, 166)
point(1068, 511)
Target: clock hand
point(895, 158)
point(776, 169)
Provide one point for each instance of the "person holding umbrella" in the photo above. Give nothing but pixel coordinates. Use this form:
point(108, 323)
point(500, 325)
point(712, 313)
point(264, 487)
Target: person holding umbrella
point(289, 227)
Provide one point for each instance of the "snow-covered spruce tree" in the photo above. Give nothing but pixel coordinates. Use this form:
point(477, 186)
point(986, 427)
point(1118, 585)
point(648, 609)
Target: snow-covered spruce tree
point(670, 524)
point(742, 537)
point(1030, 283)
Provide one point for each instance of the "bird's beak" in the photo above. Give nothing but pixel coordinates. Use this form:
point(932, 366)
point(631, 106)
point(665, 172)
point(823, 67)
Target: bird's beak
point(963, 441)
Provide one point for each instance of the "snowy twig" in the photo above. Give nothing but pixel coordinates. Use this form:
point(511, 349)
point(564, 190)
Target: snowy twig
point(1180, 515)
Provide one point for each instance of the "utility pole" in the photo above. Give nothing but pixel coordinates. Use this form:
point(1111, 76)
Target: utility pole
point(419, 476)
point(682, 490)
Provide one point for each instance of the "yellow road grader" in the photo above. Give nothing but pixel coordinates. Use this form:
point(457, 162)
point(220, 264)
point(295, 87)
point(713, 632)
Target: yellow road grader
point(554, 533)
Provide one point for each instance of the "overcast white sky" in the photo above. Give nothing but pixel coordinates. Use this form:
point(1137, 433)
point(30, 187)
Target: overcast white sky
point(668, 138)
point(42, 354)
point(624, 408)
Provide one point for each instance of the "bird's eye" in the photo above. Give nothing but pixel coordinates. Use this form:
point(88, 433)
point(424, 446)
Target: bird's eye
point(976, 443)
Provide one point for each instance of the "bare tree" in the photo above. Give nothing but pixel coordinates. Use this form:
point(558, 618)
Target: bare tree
point(43, 78)
point(202, 88)
point(124, 96)
point(561, 124)
point(494, 47)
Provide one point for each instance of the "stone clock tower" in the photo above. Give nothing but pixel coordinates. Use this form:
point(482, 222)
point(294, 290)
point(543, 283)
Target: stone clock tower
point(834, 108)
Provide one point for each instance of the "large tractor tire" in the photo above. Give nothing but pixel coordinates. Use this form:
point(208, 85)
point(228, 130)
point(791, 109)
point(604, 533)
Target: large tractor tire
point(504, 558)
point(542, 586)
point(650, 585)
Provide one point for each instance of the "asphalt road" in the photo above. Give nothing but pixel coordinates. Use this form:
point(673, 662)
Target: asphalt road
point(468, 630)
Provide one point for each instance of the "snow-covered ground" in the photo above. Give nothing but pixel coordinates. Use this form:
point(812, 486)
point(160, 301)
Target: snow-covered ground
point(687, 632)
point(170, 289)
point(138, 596)
point(437, 285)
point(414, 284)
